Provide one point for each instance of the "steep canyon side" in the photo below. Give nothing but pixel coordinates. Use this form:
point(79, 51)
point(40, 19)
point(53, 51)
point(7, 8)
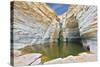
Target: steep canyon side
point(36, 23)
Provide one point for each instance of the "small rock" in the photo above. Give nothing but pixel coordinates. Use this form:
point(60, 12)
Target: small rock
point(69, 59)
point(55, 61)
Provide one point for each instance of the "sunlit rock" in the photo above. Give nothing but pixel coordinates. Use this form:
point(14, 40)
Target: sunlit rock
point(79, 22)
point(32, 19)
point(82, 57)
point(88, 27)
point(88, 56)
point(27, 59)
point(35, 24)
point(86, 18)
point(68, 59)
point(55, 61)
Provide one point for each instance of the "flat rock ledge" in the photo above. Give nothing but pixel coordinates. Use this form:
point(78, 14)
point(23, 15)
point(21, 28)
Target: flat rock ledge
point(35, 59)
point(28, 59)
point(83, 57)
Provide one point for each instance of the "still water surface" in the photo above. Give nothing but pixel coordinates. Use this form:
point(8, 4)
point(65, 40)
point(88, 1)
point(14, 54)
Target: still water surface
point(55, 50)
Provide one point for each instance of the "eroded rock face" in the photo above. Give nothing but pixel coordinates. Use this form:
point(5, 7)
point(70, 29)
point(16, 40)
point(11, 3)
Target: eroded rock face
point(35, 23)
point(86, 17)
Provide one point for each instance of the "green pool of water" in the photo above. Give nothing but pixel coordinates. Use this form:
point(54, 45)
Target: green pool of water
point(54, 50)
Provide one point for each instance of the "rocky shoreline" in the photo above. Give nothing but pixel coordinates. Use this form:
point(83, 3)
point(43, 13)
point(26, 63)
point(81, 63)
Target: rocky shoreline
point(36, 23)
point(35, 59)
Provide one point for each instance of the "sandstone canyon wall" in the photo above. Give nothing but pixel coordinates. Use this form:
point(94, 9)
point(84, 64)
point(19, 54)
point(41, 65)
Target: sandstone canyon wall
point(36, 23)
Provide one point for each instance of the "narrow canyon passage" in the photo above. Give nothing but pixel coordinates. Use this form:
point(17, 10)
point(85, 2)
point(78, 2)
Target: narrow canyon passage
point(53, 30)
point(61, 46)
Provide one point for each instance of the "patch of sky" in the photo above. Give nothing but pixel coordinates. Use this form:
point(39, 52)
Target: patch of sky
point(58, 8)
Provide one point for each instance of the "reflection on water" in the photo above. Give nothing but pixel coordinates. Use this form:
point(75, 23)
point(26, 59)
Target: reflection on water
point(55, 49)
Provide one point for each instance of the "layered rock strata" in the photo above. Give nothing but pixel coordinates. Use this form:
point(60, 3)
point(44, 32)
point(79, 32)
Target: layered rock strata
point(35, 23)
point(86, 17)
